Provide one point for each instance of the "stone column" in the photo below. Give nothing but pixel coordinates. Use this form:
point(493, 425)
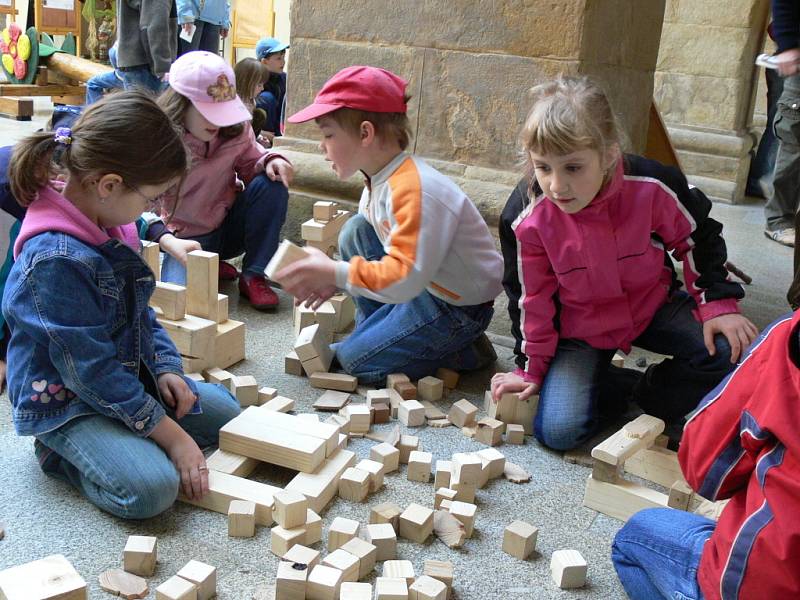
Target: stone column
point(705, 84)
point(469, 66)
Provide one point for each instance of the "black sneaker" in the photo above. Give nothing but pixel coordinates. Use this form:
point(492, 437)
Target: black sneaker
point(484, 351)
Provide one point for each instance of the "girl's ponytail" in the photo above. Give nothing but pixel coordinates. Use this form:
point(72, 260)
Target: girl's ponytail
point(31, 165)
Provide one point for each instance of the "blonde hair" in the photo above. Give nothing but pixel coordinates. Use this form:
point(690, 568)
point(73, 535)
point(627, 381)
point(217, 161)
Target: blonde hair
point(176, 105)
point(251, 76)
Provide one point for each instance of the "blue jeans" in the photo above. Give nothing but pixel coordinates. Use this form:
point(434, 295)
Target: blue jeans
point(142, 78)
point(253, 226)
point(568, 401)
point(98, 85)
point(206, 37)
point(415, 337)
point(124, 474)
point(657, 553)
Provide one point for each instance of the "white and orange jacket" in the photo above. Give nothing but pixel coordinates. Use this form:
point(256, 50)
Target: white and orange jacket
point(434, 238)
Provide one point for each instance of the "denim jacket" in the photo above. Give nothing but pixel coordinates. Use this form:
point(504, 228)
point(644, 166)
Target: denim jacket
point(216, 12)
point(83, 339)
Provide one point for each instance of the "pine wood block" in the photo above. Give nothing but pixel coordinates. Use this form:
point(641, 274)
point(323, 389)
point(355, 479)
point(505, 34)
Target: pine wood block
point(190, 363)
point(568, 569)
point(345, 309)
point(222, 308)
point(323, 583)
point(314, 231)
point(515, 434)
point(484, 472)
point(378, 396)
point(170, 299)
point(462, 413)
point(232, 464)
point(526, 413)
point(384, 538)
point(345, 562)
point(495, 461)
point(359, 417)
point(290, 509)
point(464, 512)
point(387, 512)
point(193, 336)
point(229, 343)
point(51, 578)
point(265, 394)
point(416, 523)
point(354, 485)
point(432, 413)
point(245, 388)
point(290, 580)
point(293, 424)
point(620, 500)
point(489, 431)
point(636, 435)
point(282, 539)
point(504, 409)
point(321, 487)
point(203, 576)
point(440, 570)
point(217, 375)
point(465, 492)
point(292, 365)
point(391, 588)
point(352, 590)
point(443, 471)
point(448, 377)
point(280, 404)
point(467, 468)
point(242, 518)
point(443, 494)
point(313, 527)
point(419, 466)
point(430, 389)
point(519, 539)
point(202, 284)
point(407, 444)
point(311, 418)
point(680, 494)
point(333, 381)
point(399, 569)
point(303, 555)
point(286, 254)
point(427, 588)
point(140, 555)
point(331, 400)
point(603, 471)
point(341, 531)
point(313, 349)
point(151, 255)
point(223, 488)
point(406, 389)
point(618, 360)
point(394, 378)
point(303, 316)
point(176, 588)
point(381, 413)
point(324, 211)
point(365, 552)
point(376, 472)
point(655, 464)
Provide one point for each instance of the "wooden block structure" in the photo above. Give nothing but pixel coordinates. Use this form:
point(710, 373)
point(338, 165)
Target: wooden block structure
point(411, 413)
point(353, 590)
point(376, 473)
point(341, 531)
point(323, 583)
point(321, 487)
point(47, 578)
point(510, 409)
point(407, 444)
point(391, 588)
point(430, 388)
point(176, 588)
point(440, 570)
point(286, 254)
point(400, 569)
point(140, 555)
point(464, 512)
point(242, 518)
point(322, 231)
point(290, 580)
point(290, 509)
point(462, 413)
point(419, 466)
point(568, 569)
point(416, 523)
point(343, 561)
point(387, 512)
point(427, 588)
point(489, 431)
point(303, 555)
point(365, 552)
point(203, 576)
point(354, 485)
point(384, 537)
point(519, 539)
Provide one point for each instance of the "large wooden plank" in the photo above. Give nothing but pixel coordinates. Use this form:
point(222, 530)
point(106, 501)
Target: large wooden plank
point(51, 577)
point(621, 500)
point(634, 436)
point(323, 431)
point(232, 464)
point(224, 487)
point(321, 486)
point(655, 464)
point(19, 89)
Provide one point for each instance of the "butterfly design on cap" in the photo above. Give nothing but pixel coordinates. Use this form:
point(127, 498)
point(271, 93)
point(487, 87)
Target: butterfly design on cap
point(222, 91)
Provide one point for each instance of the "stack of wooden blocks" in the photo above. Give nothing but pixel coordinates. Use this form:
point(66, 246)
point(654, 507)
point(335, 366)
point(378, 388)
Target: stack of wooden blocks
point(322, 230)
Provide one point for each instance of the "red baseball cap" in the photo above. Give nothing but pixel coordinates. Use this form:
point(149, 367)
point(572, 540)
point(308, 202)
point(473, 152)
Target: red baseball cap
point(362, 88)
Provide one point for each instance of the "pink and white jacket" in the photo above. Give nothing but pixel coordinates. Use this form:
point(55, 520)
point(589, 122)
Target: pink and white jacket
point(600, 275)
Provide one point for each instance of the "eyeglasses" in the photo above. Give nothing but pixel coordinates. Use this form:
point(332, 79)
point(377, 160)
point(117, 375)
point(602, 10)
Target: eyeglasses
point(150, 201)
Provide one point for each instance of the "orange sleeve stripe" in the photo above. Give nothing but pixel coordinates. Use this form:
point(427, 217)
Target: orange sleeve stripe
point(407, 209)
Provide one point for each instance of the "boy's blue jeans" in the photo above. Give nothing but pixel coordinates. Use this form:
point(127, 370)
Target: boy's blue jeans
point(253, 226)
point(577, 378)
point(98, 85)
point(124, 474)
point(657, 553)
point(142, 78)
point(416, 337)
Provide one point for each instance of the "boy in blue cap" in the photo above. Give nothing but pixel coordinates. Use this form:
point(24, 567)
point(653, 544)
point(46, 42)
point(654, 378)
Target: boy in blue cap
point(272, 54)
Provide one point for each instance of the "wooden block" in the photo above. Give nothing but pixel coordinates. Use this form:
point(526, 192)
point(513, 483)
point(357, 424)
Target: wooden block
point(378, 396)
point(432, 413)
point(448, 377)
point(526, 413)
point(51, 578)
point(323, 583)
point(290, 509)
point(495, 461)
point(354, 484)
point(393, 379)
point(119, 583)
point(443, 494)
point(568, 569)
point(267, 418)
point(427, 588)
point(387, 512)
point(315, 231)
point(399, 569)
point(381, 413)
point(462, 413)
point(340, 532)
point(603, 471)
point(655, 464)
point(265, 394)
point(311, 418)
point(519, 539)
point(232, 464)
point(391, 588)
point(170, 299)
point(394, 401)
point(286, 254)
point(620, 500)
point(303, 555)
point(279, 404)
point(176, 588)
point(441, 571)
point(411, 413)
point(384, 538)
point(376, 471)
point(345, 309)
point(140, 555)
point(245, 388)
point(345, 562)
point(679, 495)
point(292, 365)
point(202, 284)
point(224, 487)
point(416, 523)
point(465, 492)
point(217, 375)
point(515, 434)
point(313, 342)
point(304, 317)
point(406, 389)
point(196, 377)
point(151, 254)
point(636, 435)
point(320, 487)
point(502, 410)
point(242, 518)
point(430, 389)
point(443, 471)
point(290, 580)
point(282, 540)
point(333, 381)
point(467, 468)
point(618, 360)
point(324, 211)
point(419, 466)
point(331, 400)
point(365, 552)
point(359, 417)
point(489, 431)
point(222, 308)
point(313, 527)
point(193, 336)
point(203, 576)
point(189, 363)
point(352, 590)
point(407, 444)
point(464, 512)
point(229, 344)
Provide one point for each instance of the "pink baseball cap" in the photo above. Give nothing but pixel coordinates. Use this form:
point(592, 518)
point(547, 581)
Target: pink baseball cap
point(362, 88)
point(207, 80)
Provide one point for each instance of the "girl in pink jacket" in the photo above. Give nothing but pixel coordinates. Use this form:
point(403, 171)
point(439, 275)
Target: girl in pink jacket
point(593, 256)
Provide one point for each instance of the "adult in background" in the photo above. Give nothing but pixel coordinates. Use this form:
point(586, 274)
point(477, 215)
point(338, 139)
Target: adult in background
point(211, 19)
point(146, 33)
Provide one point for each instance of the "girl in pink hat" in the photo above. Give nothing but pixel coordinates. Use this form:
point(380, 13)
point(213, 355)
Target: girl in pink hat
point(211, 205)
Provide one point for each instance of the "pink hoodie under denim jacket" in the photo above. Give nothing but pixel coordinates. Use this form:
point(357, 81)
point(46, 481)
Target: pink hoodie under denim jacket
point(600, 275)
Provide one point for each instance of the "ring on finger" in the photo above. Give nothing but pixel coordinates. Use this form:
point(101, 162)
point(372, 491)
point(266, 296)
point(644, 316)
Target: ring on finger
point(202, 468)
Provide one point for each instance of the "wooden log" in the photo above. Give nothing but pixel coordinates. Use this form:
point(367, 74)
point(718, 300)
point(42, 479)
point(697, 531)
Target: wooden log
point(74, 67)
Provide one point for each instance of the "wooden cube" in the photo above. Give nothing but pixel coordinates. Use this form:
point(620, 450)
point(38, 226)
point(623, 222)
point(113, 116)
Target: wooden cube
point(419, 466)
point(286, 254)
point(391, 588)
point(406, 390)
point(280, 404)
point(568, 569)
point(365, 552)
point(265, 394)
point(515, 434)
point(291, 580)
point(323, 583)
point(215, 375)
point(494, 460)
point(290, 509)
point(140, 555)
point(440, 570)
point(519, 539)
point(241, 518)
point(427, 588)
point(381, 413)
point(504, 409)
point(464, 512)
point(313, 527)
point(448, 377)
point(282, 540)
point(359, 417)
point(170, 299)
point(345, 562)
point(392, 379)
point(378, 397)
point(303, 555)
point(387, 455)
point(411, 413)
point(489, 431)
point(49, 578)
point(342, 530)
point(384, 538)
point(430, 388)
point(402, 569)
point(203, 576)
point(465, 492)
point(354, 484)
point(443, 494)
point(462, 413)
point(416, 523)
point(387, 512)
point(176, 588)
point(442, 476)
point(467, 468)
point(292, 365)
point(375, 470)
point(324, 211)
point(245, 388)
point(352, 590)
point(407, 444)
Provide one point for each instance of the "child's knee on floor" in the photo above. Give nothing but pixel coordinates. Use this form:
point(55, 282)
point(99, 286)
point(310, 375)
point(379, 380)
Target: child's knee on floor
point(562, 436)
point(150, 493)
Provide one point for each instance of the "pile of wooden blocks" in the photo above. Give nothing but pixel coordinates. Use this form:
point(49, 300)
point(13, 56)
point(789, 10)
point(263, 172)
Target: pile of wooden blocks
point(196, 316)
point(512, 411)
point(322, 230)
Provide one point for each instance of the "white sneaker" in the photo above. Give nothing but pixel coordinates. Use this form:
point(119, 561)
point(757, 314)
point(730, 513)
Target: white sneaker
point(782, 236)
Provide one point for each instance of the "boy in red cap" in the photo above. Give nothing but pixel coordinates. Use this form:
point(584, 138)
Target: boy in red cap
point(418, 257)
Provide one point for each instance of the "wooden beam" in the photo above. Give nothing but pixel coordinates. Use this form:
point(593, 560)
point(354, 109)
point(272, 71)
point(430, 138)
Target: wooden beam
point(222, 488)
point(321, 486)
point(20, 109)
point(18, 89)
point(621, 500)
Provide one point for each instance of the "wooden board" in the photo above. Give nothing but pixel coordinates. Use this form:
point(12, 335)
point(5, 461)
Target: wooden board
point(321, 486)
point(655, 464)
point(329, 434)
point(223, 488)
point(634, 436)
point(20, 109)
point(19, 89)
point(621, 500)
point(232, 464)
point(51, 577)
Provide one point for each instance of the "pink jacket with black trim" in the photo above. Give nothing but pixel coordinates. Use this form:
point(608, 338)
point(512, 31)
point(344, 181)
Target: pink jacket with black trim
point(600, 275)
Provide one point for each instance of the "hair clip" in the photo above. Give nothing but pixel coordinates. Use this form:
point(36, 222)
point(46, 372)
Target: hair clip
point(63, 136)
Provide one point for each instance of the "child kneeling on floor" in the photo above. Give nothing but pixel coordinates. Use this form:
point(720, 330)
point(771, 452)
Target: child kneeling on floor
point(418, 257)
point(743, 444)
point(92, 374)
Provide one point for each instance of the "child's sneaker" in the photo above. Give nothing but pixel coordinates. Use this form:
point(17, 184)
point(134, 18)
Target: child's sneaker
point(227, 272)
point(256, 289)
point(484, 350)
